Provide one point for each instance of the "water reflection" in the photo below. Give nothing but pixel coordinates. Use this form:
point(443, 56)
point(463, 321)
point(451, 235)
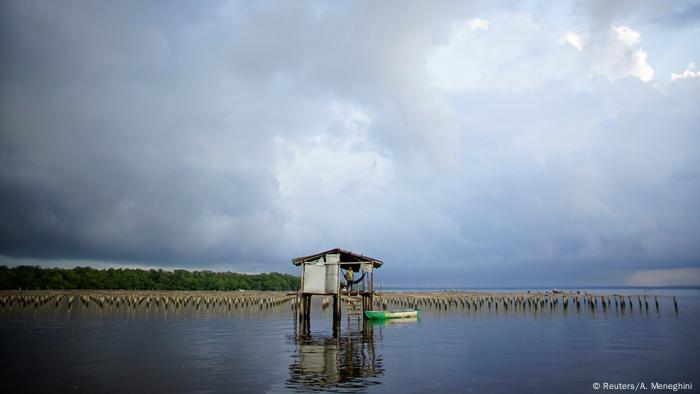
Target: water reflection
point(393, 322)
point(344, 361)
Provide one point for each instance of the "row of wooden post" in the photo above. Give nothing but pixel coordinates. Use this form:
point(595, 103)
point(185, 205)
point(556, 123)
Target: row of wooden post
point(105, 299)
point(525, 301)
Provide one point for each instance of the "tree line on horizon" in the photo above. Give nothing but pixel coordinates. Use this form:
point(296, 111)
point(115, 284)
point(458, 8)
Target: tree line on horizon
point(38, 278)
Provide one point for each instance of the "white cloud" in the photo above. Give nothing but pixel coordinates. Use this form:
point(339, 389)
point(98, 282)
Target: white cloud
point(573, 39)
point(688, 73)
point(640, 68)
point(501, 59)
point(519, 53)
point(334, 168)
point(337, 172)
point(616, 56)
point(478, 24)
point(626, 35)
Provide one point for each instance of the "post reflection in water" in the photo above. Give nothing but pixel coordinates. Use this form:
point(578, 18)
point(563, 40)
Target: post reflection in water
point(344, 361)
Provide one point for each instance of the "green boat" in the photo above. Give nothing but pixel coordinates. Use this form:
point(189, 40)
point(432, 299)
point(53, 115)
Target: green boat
point(392, 314)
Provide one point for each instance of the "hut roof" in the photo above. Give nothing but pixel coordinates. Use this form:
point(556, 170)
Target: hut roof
point(345, 257)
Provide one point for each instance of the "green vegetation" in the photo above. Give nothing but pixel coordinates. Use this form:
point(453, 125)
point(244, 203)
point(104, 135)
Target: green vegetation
point(35, 278)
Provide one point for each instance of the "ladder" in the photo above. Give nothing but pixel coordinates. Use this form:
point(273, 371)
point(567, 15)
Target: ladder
point(354, 305)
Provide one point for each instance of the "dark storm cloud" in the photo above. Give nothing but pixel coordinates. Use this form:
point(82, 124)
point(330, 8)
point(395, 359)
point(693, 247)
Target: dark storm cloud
point(116, 145)
point(237, 135)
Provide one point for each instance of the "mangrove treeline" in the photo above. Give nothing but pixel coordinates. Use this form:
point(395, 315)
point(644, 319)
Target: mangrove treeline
point(37, 278)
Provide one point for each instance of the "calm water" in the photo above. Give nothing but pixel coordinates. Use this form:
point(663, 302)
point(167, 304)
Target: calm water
point(253, 351)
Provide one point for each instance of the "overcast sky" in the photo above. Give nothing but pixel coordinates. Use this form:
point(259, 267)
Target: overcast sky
point(465, 143)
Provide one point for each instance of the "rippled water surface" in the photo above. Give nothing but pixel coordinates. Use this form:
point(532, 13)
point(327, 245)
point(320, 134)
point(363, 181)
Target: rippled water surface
point(261, 351)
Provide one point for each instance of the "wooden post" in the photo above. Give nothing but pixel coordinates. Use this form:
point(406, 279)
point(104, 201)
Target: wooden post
point(336, 308)
point(371, 290)
point(301, 306)
point(303, 268)
point(336, 328)
point(306, 321)
point(675, 304)
point(336, 300)
point(364, 304)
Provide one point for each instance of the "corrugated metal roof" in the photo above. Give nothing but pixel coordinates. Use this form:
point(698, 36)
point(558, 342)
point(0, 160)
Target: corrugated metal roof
point(346, 256)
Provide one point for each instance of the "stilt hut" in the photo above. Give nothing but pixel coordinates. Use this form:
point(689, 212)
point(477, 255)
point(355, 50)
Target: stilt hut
point(324, 274)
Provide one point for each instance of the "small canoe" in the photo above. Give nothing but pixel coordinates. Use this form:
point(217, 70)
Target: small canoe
point(392, 314)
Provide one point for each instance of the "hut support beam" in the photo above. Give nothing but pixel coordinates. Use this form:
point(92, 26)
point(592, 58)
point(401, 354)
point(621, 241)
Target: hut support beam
point(336, 308)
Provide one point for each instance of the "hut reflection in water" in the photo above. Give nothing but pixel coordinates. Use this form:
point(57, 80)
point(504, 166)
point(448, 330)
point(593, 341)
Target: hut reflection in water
point(335, 362)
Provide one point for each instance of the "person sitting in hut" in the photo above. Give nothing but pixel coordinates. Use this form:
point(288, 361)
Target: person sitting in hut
point(349, 278)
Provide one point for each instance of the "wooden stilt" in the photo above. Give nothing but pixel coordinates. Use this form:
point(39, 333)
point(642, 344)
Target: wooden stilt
point(336, 308)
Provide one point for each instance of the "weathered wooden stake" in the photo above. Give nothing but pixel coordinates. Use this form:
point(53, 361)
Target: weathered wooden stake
point(675, 304)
